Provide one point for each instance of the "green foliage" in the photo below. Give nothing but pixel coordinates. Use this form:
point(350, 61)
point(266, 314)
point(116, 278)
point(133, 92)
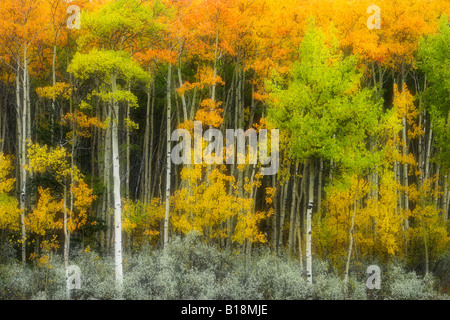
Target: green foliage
point(104, 64)
point(323, 107)
point(111, 24)
point(434, 60)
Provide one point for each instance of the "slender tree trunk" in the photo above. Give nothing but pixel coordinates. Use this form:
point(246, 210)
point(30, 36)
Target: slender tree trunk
point(350, 245)
point(308, 222)
point(319, 189)
point(292, 216)
point(405, 170)
point(300, 251)
point(213, 92)
point(275, 214)
point(147, 155)
point(183, 98)
point(21, 158)
point(301, 213)
point(168, 163)
point(425, 243)
point(107, 180)
point(446, 198)
point(128, 138)
point(284, 192)
point(116, 191)
point(397, 178)
point(23, 161)
point(436, 185)
point(2, 126)
point(52, 117)
point(150, 153)
point(66, 249)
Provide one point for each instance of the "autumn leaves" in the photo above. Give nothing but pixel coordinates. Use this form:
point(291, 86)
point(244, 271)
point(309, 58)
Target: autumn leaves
point(362, 114)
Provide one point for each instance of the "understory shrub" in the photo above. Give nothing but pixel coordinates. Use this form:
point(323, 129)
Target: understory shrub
point(192, 269)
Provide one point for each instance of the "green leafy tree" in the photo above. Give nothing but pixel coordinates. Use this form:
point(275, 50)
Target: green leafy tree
point(434, 60)
point(326, 113)
point(112, 30)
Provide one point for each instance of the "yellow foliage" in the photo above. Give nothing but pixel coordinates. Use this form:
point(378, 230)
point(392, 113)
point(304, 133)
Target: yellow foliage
point(84, 124)
point(209, 205)
point(210, 113)
point(270, 194)
point(205, 77)
point(404, 107)
point(142, 221)
point(59, 90)
point(388, 224)
point(56, 163)
point(42, 159)
point(44, 217)
point(247, 227)
point(378, 226)
point(427, 222)
point(83, 199)
point(9, 212)
point(6, 184)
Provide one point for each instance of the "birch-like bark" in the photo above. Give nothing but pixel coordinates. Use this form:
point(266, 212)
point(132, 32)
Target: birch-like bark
point(23, 162)
point(308, 222)
point(183, 98)
point(428, 154)
point(168, 163)
point(66, 249)
point(291, 237)
point(107, 181)
point(21, 157)
point(128, 138)
point(52, 117)
point(319, 189)
point(116, 191)
point(436, 185)
point(405, 170)
point(147, 153)
point(350, 245)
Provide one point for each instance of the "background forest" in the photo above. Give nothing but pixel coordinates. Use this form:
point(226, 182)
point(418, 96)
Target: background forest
point(91, 91)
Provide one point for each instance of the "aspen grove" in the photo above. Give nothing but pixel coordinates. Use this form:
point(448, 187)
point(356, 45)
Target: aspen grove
point(346, 101)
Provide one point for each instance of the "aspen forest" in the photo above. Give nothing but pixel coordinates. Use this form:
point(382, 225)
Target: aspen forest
point(100, 198)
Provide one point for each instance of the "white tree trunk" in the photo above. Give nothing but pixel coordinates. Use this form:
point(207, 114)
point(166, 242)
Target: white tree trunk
point(21, 138)
point(116, 192)
point(23, 160)
point(405, 170)
point(168, 172)
point(308, 222)
point(350, 245)
point(66, 249)
point(292, 216)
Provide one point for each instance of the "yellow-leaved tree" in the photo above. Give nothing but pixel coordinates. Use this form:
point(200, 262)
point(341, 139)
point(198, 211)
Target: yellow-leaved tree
point(66, 210)
point(141, 222)
point(212, 206)
point(9, 212)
